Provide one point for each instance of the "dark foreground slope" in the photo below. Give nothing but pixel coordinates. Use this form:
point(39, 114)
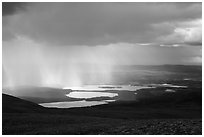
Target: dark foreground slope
point(23, 117)
point(11, 104)
point(32, 124)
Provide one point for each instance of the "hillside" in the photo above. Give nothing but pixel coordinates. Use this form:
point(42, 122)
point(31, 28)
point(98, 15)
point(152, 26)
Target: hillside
point(11, 104)
point(123, 118)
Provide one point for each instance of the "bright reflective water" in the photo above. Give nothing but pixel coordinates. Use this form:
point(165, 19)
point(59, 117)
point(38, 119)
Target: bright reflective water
point(72, 104)
point(106, 87)
point(77, 94)
point(94, 91)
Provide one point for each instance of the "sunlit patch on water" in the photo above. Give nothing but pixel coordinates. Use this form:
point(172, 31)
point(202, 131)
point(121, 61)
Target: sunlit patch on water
point(170, 90)
point(105, 87)
point(192, 79)
point(111, 91)
point(174, 86)
point(186, 79)
point(109, 100)
point(168, 85)
point(77, 94)
point(73, 104)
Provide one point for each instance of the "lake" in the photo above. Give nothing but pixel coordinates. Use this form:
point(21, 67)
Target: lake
point(73, 104)
point(106, 87)
point(122, 92)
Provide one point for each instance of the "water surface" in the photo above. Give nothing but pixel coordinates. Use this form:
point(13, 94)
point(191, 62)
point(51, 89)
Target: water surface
point(106, 87)
point(73, 104)
point(78, 94)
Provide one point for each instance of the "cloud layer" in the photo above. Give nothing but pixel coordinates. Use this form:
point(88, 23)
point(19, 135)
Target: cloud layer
point(104, 23)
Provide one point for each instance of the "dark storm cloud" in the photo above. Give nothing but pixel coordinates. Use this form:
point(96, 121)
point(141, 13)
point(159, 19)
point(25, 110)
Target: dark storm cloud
point(9, 8)
point(102, 23)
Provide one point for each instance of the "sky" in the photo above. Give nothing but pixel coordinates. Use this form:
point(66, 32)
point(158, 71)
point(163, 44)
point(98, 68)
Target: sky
point(50, 42)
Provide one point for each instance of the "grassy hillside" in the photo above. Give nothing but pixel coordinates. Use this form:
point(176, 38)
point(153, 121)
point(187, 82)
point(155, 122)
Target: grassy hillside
point(24, 117)
point(11, 104)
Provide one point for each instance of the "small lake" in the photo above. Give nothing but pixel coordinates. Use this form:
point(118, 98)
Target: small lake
point(78, 94)
point(106, 87)
point(73, 104)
